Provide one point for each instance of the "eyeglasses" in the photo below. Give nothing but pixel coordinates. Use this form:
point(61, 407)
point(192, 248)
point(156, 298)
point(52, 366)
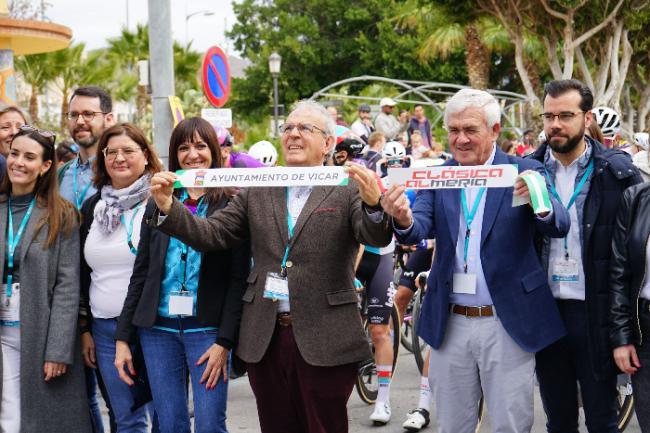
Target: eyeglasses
point(47, 135)
point(127, 152)
point(564, 117)
point(87, 115)
point(394, 161)
point(286, 128)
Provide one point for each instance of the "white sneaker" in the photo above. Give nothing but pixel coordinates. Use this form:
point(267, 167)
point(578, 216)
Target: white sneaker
point(416, 420)
point(381, 414)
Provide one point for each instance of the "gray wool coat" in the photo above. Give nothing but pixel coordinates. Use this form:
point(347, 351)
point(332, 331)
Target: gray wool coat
point(49, 281)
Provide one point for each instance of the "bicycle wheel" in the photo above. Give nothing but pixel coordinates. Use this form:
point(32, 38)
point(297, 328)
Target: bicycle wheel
point(625, 401)
point(406, 331)
point(418, 345)
point(367, 385)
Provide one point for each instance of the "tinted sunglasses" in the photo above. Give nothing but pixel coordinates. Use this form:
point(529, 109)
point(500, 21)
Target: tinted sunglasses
point(46, 135)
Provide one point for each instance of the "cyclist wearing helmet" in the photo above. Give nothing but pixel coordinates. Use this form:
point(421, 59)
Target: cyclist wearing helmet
point(393, 155)
point(347, 149)
point(264, 152)
point(233, 159)
point(642, 158)
point(609, 123)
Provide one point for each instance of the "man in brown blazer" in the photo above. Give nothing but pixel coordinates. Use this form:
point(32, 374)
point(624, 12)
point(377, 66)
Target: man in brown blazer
point(302, 352)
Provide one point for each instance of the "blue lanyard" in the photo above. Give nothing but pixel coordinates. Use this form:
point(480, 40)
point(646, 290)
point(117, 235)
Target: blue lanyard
point(129, 229)
point(12, 242)
point(201, 211)
point(469, 219)
point(78, 197)
point(572, 199)
point(290, 226)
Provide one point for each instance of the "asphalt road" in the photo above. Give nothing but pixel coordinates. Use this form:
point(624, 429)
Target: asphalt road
point(242, 411)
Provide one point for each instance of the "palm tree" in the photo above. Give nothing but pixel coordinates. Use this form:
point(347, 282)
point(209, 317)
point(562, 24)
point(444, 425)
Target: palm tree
point(187, 64)
point(38, 72)
point(77, 68)
point(446, 30)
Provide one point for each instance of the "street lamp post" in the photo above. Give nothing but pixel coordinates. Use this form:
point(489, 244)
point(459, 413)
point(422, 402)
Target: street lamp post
point(205, 13)
point(275, 61)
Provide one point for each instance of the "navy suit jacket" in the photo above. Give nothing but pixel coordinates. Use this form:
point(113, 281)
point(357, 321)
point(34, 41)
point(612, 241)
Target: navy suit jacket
point(516, 280)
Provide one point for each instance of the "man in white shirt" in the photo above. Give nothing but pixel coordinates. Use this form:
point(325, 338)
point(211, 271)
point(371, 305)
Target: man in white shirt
point(363, 126)
point(589, 180)
point(386, 122)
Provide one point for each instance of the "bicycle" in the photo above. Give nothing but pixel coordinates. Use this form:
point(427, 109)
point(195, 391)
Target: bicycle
point(625, 401)
point(367, 384)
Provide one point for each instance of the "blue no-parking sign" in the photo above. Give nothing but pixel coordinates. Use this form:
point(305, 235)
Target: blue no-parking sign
point(215, 75)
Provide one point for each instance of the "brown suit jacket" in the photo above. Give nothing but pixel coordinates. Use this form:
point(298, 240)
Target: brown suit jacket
point(325, 317)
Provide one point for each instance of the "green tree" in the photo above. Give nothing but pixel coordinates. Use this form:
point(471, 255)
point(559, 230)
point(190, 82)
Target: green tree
point(77, 68)
point(132, 46)
point(321, 42)
point(37, 70)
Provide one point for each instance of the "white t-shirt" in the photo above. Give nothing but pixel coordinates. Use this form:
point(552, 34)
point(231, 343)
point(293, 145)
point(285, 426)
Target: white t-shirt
point(111, 263)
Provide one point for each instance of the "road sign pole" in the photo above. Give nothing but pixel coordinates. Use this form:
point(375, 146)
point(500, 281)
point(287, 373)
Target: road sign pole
point(161, 62)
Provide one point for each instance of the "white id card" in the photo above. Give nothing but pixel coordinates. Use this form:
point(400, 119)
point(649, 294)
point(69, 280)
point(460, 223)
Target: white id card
point(181, 304)
point(464, 283)
point(565, 270)
point(276, 287)
point(10, 307)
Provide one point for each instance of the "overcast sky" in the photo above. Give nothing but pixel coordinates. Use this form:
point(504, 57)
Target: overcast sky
point(94, 21)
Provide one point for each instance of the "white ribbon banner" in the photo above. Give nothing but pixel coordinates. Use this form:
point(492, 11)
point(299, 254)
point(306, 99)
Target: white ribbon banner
point(263, 176)
point(454, 177)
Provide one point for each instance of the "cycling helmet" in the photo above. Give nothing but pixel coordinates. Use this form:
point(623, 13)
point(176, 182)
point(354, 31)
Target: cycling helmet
point(541, 137)
point(608, 120)
point(224, 137)
point(351, 145)
point(264, 152)
point(393, 149)
point(641, 139)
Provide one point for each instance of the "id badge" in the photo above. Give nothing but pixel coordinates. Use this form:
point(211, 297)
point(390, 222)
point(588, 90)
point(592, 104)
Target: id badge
point(276, 287)
point(10, 306)
point(565, 270)
point(181, 304)
point(464, 283)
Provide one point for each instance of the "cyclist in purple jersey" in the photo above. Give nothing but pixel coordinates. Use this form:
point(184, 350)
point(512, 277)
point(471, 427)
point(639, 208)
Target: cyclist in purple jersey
point(233, 159)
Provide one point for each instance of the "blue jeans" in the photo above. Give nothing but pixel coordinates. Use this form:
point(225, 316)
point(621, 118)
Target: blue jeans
point(168, 357)
point(91, 390)
point(119, 393)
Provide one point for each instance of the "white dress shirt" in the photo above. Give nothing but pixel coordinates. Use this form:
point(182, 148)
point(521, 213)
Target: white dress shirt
point(565, 182)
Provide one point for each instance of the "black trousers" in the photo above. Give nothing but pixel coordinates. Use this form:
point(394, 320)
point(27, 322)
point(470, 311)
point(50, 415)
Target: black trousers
point(565, 364)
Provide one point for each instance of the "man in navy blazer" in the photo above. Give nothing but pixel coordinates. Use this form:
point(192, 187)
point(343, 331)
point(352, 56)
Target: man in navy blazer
point(488, 307)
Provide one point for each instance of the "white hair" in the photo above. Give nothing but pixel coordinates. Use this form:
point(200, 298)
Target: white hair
point(314, 106)
point(474, 98)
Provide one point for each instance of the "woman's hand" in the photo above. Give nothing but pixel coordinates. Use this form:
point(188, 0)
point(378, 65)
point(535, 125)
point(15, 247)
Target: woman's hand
point(123, 356)
point(217, 358)
point(54, 369)
point(88, 350)
point(162, 188)
point(627, 359)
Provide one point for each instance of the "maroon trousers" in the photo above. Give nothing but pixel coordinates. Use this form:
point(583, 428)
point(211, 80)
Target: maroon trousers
point(295, 397)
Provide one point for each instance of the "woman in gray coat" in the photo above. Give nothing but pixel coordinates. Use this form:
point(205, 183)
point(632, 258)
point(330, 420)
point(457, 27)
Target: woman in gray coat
point(41, 369)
